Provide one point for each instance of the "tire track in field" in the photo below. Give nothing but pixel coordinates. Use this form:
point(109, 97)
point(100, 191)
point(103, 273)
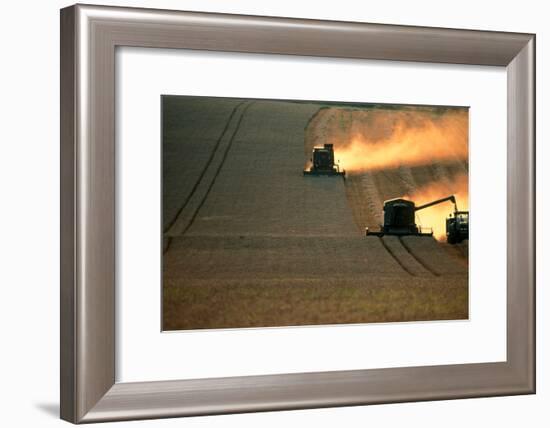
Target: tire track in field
point(207, 164)
point(411, 263)
point(394, 256)
point(167, 239)
point(418, 259)
point(218, 169)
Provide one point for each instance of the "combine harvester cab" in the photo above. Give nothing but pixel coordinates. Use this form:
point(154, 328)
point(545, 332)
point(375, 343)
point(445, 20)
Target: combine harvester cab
point(399, 219)
point(322, 160)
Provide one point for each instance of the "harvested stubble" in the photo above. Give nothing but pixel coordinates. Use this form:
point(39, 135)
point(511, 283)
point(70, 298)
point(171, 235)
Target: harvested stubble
point(229, 303)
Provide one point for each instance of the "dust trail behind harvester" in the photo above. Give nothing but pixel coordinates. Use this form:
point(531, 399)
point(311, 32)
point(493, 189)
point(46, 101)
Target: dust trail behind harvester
point(378, 139)
point(434, 216)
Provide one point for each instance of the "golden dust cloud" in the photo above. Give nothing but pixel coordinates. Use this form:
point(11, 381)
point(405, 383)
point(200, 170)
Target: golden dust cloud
point(401, 138)
point(434, 216)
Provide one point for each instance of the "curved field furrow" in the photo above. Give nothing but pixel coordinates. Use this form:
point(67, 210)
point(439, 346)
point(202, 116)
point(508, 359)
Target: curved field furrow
point(206, 167)
point(427, 251)
point(190, 125)
point(190, 209)
point(406, 259)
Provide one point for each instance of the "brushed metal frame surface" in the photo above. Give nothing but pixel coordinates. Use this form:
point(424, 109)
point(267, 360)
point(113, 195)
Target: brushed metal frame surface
point(89, 35)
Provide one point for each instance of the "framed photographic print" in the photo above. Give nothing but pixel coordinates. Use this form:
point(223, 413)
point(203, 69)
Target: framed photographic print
point(298, 196)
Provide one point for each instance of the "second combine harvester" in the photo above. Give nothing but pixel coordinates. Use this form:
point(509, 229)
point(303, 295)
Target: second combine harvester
point(399, 219)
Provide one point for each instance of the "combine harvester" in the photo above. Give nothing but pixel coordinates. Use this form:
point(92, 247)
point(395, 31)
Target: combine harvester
point(322, 160)
point(399, 219)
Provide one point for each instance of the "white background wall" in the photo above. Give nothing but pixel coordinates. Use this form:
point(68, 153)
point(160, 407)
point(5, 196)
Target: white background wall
point(29, 214)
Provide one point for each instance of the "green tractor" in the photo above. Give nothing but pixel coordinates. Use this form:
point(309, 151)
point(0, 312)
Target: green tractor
point(457, 226)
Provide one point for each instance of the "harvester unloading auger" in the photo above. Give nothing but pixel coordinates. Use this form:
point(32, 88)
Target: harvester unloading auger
point(322, 160)
point(399, 219)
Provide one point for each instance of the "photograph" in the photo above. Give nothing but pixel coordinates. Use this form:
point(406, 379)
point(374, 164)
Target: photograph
point(280, 213)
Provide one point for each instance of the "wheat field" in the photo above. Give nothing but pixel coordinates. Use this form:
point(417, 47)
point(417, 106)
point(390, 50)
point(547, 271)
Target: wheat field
point(248, 241)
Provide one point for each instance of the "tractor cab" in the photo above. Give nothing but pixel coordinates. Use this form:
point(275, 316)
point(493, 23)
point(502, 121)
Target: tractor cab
point(457, 226)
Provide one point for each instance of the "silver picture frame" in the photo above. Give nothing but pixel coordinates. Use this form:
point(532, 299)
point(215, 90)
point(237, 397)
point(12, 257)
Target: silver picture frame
point(89, 37)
